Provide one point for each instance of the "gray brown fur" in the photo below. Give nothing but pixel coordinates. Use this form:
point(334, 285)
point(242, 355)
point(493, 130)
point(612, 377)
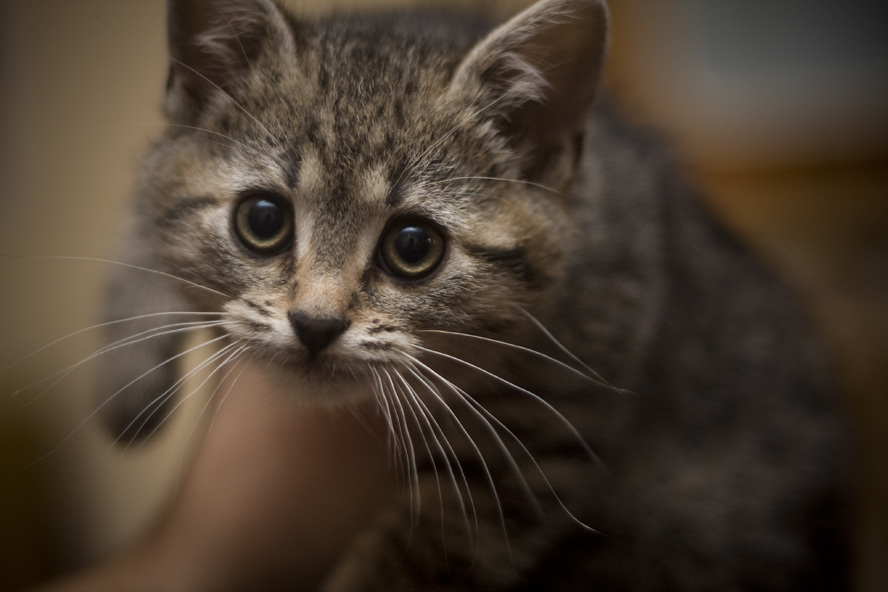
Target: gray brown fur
point(724, 458)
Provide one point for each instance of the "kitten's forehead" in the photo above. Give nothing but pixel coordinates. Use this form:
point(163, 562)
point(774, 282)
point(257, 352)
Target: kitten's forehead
point(357, 152)
point(358, 99)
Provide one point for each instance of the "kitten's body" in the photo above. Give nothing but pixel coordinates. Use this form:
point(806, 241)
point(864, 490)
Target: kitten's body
point(717, 462)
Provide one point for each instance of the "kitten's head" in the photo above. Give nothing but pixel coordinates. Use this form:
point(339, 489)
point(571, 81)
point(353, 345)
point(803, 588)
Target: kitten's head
point(352, 184)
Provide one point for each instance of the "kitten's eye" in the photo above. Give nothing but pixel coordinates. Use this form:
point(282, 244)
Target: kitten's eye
point(264, 224)
point(411, 249)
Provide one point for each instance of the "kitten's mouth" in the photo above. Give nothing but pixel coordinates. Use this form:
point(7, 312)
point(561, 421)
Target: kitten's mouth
point(321, 379)
point(323, 366)
point(320, 366)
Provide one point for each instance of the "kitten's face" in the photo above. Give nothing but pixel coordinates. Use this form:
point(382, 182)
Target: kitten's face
point(345, 199)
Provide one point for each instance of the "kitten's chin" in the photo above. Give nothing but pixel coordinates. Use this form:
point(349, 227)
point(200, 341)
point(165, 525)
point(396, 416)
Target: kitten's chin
point(325, 387)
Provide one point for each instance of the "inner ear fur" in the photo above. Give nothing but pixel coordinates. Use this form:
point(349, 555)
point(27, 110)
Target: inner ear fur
point(537, 76)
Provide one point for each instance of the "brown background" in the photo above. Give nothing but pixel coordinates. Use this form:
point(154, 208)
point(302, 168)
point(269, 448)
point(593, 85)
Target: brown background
point(80, 82)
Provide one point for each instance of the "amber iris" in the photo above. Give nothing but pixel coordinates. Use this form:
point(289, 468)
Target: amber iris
point(264, 224)
point(411, 249)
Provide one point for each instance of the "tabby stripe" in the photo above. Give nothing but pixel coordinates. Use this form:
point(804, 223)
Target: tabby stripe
point(186, 207)
point(512, 260)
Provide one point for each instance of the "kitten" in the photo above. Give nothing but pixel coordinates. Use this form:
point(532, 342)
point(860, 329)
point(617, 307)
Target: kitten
point(430, 214)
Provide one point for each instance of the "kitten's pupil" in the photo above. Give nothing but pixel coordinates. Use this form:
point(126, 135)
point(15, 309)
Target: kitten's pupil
point(411, 250)
point(263, 225)
point(265, 219)
point(413, 244)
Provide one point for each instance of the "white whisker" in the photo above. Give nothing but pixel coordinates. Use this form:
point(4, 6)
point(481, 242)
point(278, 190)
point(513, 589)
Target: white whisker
point(383, 403)
point(480, 409)
point(155, 404)
point(98, 326)
point(504, 450)
point(223, 91)
point(228, 392)
point(413, 471)
point(203, 365)
point(558, 344)
point(108, 400)
point(409, 397)
point(479, 455)
point(436, 429)
point(203, 410)
point(506, 180)
point(121, 263)
point(209, 131)
point(531, 394)
point(595, 379)
point(111, 347)
point(465, 120)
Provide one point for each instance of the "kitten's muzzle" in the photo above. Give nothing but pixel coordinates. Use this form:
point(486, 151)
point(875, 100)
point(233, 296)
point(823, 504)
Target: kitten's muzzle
point(316, 333)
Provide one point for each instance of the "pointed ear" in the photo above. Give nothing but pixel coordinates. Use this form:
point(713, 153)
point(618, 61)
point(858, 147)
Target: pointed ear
point(536, 77)
point(213, 44)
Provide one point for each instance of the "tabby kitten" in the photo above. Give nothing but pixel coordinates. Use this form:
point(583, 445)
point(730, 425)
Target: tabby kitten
point(430, 214)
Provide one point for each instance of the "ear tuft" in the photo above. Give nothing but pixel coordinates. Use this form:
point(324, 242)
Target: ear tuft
point(212, 45)
point(537, 77)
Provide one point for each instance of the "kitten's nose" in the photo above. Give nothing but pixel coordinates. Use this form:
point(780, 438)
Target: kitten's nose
point(315, 333)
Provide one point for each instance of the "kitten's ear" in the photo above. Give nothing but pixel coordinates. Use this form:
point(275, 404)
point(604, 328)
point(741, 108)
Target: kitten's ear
point(537, 76)
point(213, 44)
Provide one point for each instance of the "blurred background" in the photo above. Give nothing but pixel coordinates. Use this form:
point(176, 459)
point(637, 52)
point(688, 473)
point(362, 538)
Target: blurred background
point(780, 110)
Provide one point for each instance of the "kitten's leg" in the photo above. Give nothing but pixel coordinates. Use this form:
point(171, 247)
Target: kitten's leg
point(144, 334)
